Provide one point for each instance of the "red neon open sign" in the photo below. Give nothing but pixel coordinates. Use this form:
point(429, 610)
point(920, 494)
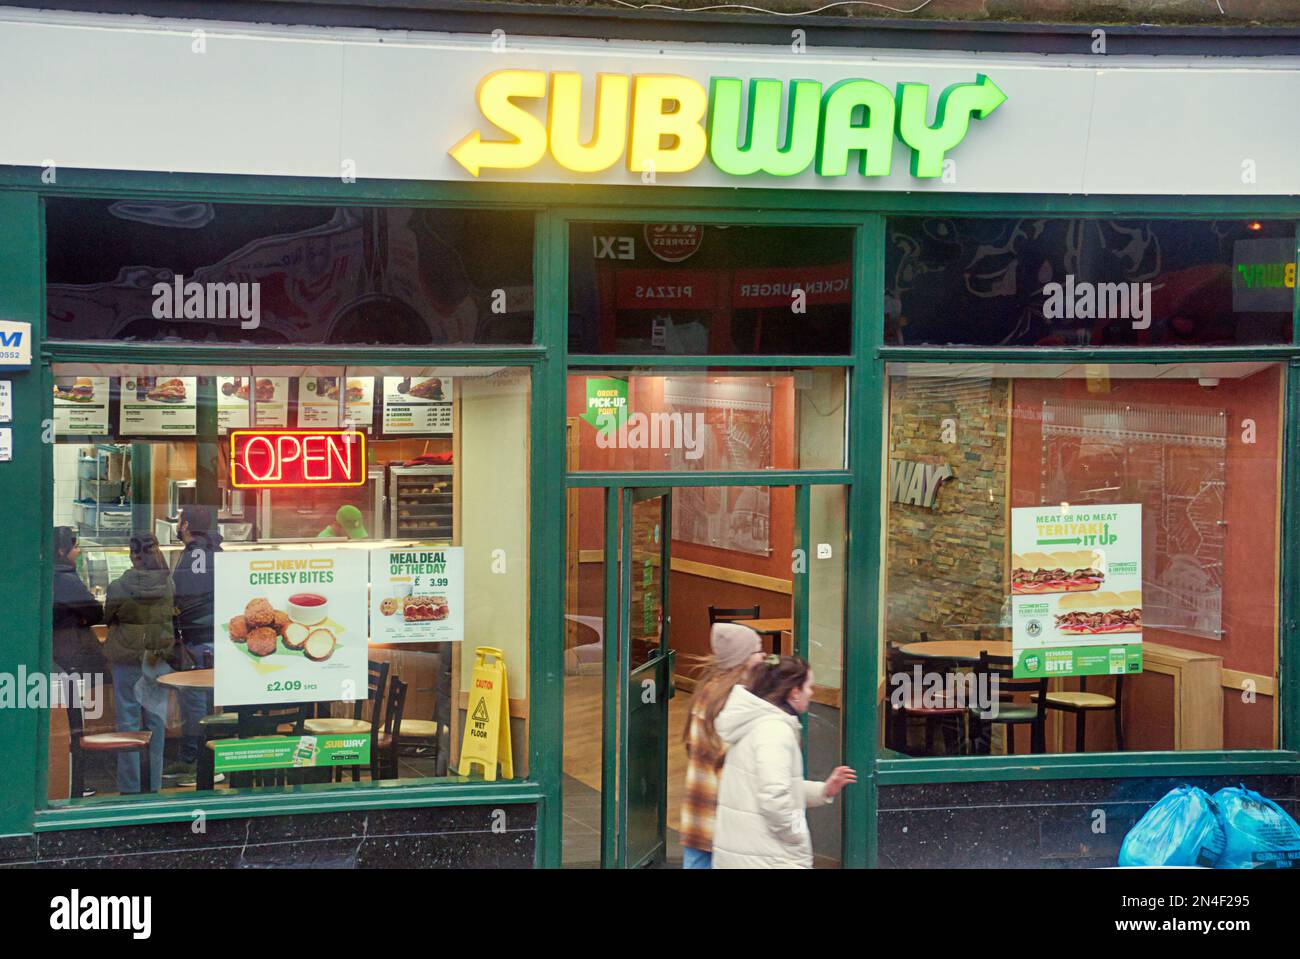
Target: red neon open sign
point(296, 458)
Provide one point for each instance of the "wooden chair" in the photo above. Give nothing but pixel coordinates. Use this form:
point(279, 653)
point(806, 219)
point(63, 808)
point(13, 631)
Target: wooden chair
point(1010, 713)
point(376, 685)
point(423, 737)
point(221, 725)
point(729, 614)
point(1080, 702)
point(383, 759)
point(912, 705)
point(116, 743)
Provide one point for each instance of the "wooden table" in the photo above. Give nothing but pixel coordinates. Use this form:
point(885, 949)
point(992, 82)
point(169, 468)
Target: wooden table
point(190, 679)
point(770, 627)
point(957, 650)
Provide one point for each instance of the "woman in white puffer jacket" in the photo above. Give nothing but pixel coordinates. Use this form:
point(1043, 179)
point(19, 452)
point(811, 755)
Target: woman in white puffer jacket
point(762, 795)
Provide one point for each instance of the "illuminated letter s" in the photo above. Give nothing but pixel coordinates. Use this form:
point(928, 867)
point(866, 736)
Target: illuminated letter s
point(496, 95)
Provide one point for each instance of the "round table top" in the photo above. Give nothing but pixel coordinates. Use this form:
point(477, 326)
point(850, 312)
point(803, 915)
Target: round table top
point(767, 625)
point(190, 679)
point(961, 650)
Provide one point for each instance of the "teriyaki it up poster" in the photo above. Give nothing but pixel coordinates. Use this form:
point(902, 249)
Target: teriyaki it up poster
point(1076, 590)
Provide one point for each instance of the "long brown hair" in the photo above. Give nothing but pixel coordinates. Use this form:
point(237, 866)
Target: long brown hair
point(775, 678)
point(145, 552)
point(710, 695)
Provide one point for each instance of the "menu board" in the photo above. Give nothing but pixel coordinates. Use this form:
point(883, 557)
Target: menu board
point(272, 396)
point(417, 595)
point(290, 626)
point(417, 404)
point(318, 401)
point(159, 405)
point(1076, 590)
point(81, 405)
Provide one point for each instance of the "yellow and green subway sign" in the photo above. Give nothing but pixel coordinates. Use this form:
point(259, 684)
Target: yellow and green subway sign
point(670, 124)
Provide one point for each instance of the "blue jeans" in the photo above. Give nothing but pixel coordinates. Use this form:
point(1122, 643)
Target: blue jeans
point(695, 859)
point(129, 714)
point(194, 705)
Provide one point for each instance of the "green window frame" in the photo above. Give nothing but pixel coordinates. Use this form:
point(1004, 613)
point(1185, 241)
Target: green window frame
point(1285, 759)
point(542, 781)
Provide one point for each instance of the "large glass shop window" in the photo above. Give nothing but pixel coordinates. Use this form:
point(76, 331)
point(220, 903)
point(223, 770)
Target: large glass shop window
point(1037, 281)
point(162, 270)
point(277, 575)
point(1082, 558)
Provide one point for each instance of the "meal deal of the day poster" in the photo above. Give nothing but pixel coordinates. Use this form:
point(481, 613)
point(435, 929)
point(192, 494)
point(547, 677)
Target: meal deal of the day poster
point(318, 400)
point(81, 405)
point(1076, 590)
point(270, 392)
point(290, 626)
point(159, 405)
point(417, 404)
point(417, 595)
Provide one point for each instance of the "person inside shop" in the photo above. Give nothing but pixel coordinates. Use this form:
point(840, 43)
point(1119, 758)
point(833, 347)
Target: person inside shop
point(192, 585)
point(762, 796)
point(139, 609)
point(348, 522)
point(76, 650)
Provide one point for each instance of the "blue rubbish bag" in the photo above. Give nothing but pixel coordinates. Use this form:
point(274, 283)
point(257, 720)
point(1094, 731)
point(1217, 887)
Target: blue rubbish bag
point(1258, 832)
point(1182, 829)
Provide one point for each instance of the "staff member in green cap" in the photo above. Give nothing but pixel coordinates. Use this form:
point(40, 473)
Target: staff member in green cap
point(347, 522)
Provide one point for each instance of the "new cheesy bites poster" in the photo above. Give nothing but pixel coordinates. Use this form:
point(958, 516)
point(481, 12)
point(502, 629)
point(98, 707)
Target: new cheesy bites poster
point(290, 626)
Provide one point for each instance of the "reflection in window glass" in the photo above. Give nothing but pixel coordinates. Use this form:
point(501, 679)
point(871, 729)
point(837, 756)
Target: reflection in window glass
point(228, 272)
point(316, 551)
point(1106, 535)
point(683, 288)
point(712, 421)
point(1036, 281)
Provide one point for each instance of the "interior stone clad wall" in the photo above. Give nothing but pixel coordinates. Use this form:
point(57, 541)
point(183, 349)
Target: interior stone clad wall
point(947, 565)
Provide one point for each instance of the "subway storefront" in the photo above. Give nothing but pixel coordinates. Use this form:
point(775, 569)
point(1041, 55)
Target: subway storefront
point(381, 459)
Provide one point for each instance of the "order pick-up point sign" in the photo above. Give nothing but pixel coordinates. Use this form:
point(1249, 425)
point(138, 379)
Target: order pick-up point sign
point(261, 459)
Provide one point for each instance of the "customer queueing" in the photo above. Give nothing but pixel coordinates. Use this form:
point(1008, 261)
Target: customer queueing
point(76, 650)
point(139, 610)
point(193, 581)
point(762, 795)
point(735, 650)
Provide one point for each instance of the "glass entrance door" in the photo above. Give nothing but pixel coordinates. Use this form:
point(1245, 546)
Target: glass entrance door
point(644, 681)
point(651, 572)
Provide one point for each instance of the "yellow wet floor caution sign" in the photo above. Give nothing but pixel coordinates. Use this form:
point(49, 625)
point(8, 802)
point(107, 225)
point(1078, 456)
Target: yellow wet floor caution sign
point(487, 729)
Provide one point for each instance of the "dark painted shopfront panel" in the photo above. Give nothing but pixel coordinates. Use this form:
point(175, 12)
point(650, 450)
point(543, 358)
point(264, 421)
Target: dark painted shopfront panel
point(478, 836)
point(1038, 824)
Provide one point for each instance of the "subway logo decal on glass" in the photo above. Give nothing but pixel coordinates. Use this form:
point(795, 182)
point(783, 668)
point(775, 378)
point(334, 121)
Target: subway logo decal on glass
point(668, 124)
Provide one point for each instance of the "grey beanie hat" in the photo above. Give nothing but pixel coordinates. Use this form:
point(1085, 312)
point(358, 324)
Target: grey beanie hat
point(733, 644)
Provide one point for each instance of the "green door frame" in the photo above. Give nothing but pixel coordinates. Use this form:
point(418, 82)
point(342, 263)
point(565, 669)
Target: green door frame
point(617, 706)
point(27, 594)
point(860, 477)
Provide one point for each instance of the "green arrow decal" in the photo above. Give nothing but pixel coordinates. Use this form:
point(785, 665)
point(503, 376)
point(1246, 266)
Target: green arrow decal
point(957, 104)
